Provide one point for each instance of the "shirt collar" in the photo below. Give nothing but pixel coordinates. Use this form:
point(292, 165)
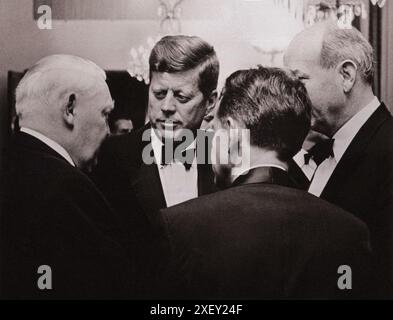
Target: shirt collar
point(299, 157)
point(157, 144)
point(50, 143)
point(258, 166)
point(344, 136)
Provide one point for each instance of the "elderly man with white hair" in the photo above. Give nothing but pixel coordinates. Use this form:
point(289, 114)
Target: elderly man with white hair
point(59, 238)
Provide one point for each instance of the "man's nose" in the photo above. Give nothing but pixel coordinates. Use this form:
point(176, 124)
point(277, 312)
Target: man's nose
point(169, 103)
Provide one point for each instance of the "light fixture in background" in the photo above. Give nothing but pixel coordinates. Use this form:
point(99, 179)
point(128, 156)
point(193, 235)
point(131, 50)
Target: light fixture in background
point(276, 26)
point(309, 12)
point(298, 13)
point(343, 11)
point(169, 11)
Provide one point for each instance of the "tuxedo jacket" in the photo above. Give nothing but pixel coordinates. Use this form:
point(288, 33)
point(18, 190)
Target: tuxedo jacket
point(53, 215)
point(362, 183)
point(134, 189)
point(129, 183)
point(263, 239)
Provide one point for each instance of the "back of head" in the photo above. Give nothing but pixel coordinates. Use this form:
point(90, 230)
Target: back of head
point(40, 92)
point(183, 53)
point(340, 44)
point(273, 104)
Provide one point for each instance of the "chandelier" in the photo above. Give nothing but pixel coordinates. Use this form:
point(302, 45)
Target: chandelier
point(305, 11)
point(169, 11)
point(344, 11)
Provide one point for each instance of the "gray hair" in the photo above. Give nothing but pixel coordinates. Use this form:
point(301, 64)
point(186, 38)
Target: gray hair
point(348, 44)
point(50, 78)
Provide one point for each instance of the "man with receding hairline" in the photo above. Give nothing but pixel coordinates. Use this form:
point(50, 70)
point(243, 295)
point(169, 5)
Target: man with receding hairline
point(52, 214)
point(353, 168)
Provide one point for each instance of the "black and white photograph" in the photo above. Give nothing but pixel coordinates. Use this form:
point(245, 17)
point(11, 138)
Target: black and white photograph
point(196, 155)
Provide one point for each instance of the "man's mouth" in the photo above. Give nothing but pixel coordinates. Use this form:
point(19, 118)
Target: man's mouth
point(169, 124)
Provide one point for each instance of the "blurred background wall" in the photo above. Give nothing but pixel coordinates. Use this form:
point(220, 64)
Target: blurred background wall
point(244, 33)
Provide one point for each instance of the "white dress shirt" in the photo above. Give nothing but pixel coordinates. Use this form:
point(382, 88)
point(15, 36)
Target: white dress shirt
point(50, 143)
point(178, 184)
point(342, 140)
point(308, 169)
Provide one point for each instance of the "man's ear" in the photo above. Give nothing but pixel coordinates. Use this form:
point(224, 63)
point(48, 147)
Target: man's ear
point(234, 128)
point(211, 104)
point(69, 110)
point(348, 71)
point(238, 143)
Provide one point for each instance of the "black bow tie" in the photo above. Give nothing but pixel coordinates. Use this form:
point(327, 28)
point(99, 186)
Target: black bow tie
point(187, 157)
point(320, 152)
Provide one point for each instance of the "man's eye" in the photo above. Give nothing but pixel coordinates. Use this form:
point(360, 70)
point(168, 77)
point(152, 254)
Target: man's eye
point(209, 118)
point(160, 95)
point(182, 99)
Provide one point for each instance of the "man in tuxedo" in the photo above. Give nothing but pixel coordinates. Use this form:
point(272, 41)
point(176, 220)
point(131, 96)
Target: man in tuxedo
point(261, 238)
point(353, 168)
point(59, 239)
point(132, 169)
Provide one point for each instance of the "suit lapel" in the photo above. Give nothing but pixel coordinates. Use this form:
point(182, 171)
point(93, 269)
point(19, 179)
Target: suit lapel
point(148, 190)
point(356, 151)
point(298, 176)
point(205, 180)
point(146, 186)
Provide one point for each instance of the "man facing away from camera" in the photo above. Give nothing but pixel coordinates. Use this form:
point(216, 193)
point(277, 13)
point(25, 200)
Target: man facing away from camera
point(58, 234)
point(353, 168)
point(261, 238)
point(133, 170)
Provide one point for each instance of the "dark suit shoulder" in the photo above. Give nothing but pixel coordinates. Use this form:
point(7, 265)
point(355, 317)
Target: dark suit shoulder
point(263, 202)
point(384, 134)
point(263, 241)
point(54, 214)
point(378, 130)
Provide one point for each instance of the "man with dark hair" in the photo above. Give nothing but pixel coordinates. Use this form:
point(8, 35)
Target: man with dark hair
point(131, 171)
point(261, 238)
point(353, 168)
